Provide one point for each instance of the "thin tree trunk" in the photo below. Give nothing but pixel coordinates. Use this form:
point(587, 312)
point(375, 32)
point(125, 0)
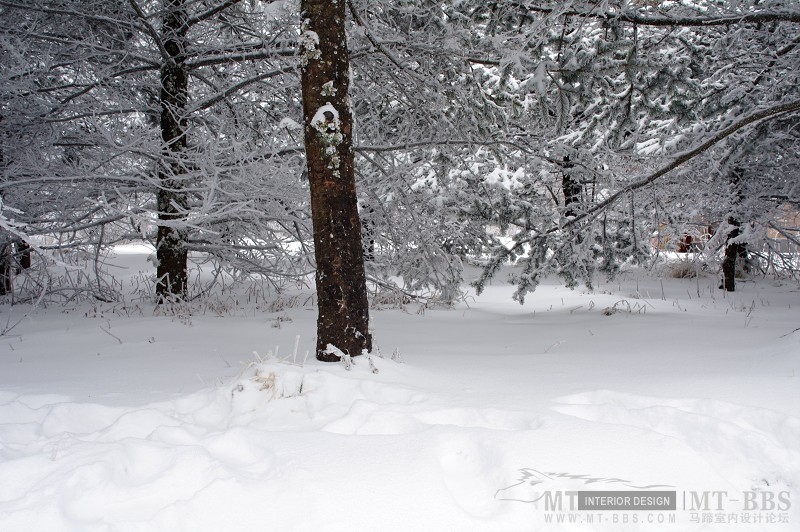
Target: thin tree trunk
point(343, 320)
point(6, 266)
point(23, 256)
point(5, 242)
point(368, 232)
point(171, 252)
point(570, 187)
point(733, 252)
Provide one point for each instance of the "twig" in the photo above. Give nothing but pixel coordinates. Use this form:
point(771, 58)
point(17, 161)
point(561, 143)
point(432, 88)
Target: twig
point(111, 335)
point(558, 343)
point(787, 334)
point(7, 329)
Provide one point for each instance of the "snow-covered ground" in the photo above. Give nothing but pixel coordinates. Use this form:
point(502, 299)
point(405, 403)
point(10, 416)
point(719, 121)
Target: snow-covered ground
point(113, 418)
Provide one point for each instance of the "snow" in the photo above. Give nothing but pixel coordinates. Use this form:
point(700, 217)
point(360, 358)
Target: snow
point(114, 418)
point(309, 43)
point(326, 117)
point(291, 125)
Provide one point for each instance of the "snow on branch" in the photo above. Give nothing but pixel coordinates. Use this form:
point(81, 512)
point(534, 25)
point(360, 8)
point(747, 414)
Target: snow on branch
point(150, 30)
point(686, 156)
point(432, 142)
point(30, 6)
point(640, 19)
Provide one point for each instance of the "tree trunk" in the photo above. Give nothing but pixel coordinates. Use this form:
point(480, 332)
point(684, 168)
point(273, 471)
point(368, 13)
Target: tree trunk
point(732, 253)
point(6, 266)
point(343, 320)
point(23, 255)
point(172, 202)
point(368, 232)
point(570, 187)
point(737, 250)
point(5, 242)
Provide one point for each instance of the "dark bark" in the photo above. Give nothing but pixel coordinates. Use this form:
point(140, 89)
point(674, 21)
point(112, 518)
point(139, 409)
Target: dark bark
point(570, 187)
point(22, 255)
point(171, 251)
point(732, 253)
point(6, 267)
point(368, 230)
point(343, 320)
point(5, 243)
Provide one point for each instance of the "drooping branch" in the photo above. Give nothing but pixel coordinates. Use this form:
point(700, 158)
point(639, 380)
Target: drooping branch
point(685, 157)
point(786, 234)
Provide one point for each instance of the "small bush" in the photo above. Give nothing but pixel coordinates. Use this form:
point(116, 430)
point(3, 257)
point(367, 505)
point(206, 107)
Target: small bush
point(683, 269)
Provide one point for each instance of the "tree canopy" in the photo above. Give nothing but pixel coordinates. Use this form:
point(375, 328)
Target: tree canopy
point(561, 135)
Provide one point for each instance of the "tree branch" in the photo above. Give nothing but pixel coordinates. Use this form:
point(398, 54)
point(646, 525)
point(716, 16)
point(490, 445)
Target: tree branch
point(668, 21)
point(51, 11)
point(785, 233)
point(191, 21)
point(431, 142)
point(685, 157)
point(371, 39)
point(235, 56)
point(235, 88)
point(151, 31)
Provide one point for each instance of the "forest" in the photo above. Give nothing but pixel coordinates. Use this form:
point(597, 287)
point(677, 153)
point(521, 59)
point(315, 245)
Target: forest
point(384, 145)
point(399, 265)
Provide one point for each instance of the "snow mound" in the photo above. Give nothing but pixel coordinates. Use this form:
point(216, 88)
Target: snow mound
point(108, 423)
point(742, 441)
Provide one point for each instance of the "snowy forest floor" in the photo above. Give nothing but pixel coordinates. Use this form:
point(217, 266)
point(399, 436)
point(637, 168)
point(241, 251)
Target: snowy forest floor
point(113, 418)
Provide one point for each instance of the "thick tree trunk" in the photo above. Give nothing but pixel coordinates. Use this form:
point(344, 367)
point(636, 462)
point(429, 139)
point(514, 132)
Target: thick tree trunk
point(172, 202)
point(343, 320)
